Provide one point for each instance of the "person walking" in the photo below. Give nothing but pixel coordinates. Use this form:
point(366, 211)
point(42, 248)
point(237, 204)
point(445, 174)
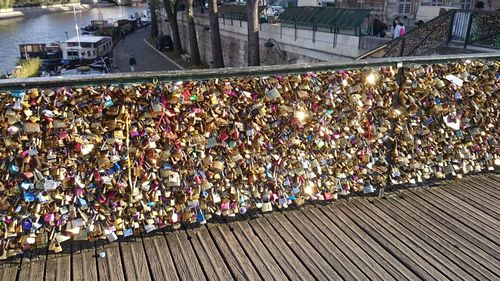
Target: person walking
point(399, 30)
point(395, 22)
point(377, 26)
point(132, 62)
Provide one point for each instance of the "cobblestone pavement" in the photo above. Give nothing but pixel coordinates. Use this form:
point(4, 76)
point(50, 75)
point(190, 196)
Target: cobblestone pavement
point(147, 58)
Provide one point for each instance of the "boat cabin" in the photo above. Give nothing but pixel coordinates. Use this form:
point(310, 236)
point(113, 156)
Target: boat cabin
point(43, 51)
point(90, 47)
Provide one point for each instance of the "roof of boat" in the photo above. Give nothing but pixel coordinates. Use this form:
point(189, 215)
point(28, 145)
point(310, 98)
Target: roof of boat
point(87, 39)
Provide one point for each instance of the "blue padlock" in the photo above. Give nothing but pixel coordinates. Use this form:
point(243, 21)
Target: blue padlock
point(27, 225)
point(81, 201)
point(29, 196)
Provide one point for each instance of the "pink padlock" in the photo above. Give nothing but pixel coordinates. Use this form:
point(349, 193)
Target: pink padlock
point(224, 206)
point(63, 135)
point(49, 217)
point(224, 136)
point(25, 153)
point(197, 179)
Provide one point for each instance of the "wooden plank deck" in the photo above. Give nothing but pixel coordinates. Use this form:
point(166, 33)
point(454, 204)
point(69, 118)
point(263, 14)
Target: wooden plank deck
point(447, 232)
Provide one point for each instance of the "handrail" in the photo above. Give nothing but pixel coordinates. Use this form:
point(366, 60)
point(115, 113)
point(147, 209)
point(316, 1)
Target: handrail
point(120, 78)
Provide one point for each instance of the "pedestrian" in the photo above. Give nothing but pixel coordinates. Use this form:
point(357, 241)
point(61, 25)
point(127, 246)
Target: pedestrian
point(132, 62)
point(395, 22)
point(383, 29)
point(399, 30)
point(377, 25)
point(402, 29)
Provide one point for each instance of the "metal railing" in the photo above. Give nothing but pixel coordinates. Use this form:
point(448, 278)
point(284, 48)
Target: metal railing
point(467, 27)
point(201, 74)
point(385, 123)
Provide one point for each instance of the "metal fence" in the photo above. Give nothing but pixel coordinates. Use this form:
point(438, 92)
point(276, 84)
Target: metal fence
point(466, 27)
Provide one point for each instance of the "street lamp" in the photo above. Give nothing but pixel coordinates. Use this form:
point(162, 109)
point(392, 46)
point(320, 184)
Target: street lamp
point(270, 43)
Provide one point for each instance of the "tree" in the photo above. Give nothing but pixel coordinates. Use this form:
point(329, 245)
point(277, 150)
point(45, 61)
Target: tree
point(193, 40)
point(217, 56)
point(154, 24)
point(171, 7)
point(253, 32)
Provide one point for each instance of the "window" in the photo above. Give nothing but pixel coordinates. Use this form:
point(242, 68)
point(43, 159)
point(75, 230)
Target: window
point(404, 6)
point(466, 4)
point(88, 53)
point(94, 52)
point(436, 2)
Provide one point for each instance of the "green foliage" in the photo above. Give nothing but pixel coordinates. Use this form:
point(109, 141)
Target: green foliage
point(29, 68)
point(4, 4)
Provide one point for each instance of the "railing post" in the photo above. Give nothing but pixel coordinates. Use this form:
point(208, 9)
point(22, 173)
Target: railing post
point(450, 34)
point(392, 136)
point(402, 50)
point(469, 26)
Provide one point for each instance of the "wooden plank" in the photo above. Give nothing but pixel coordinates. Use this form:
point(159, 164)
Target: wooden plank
point(455, 226)
point(58, 266)
point(425, 249)
point(479, 191)
point(84, 261)
point(397, 248)
point(184, 258)
point(466, 220)
point(33, 265)
point(341, 262)
point(159, 258)
point(432, 225)
point(211, 260)
point(257, 252)
point(385, 259)
point(355, 253)
point(134, 260)
point(435, 224)
point(481, 203)
point(281, 252)
point(235, 257)
point(469, 265)
point(109, 267)
point(190, 256)
point(488, 185)
point(450, 198)
point(9, 268)
point(478, 184)
point(318, 266)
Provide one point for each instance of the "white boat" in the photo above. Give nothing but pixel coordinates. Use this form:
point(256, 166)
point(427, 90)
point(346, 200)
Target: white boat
point(87, 48)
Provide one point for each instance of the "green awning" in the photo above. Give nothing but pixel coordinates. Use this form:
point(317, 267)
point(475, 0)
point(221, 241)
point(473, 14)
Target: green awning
point(327, 17)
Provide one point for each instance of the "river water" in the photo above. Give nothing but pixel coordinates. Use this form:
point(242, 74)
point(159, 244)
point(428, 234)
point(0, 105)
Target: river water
point(49, 28)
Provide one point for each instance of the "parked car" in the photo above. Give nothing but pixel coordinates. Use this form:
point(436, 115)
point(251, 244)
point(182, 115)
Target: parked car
point(274, 11)
point(164, 41)
point(219, 2)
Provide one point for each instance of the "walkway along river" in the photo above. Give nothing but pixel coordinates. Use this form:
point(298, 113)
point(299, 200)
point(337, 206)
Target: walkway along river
point(49, 28)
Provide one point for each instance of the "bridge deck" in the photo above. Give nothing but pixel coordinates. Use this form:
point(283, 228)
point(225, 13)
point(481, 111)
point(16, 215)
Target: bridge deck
point(450, 232)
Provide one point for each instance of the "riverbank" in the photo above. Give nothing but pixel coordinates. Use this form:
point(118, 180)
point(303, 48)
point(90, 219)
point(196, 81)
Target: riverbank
point(147, 58)
point(33, 11)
